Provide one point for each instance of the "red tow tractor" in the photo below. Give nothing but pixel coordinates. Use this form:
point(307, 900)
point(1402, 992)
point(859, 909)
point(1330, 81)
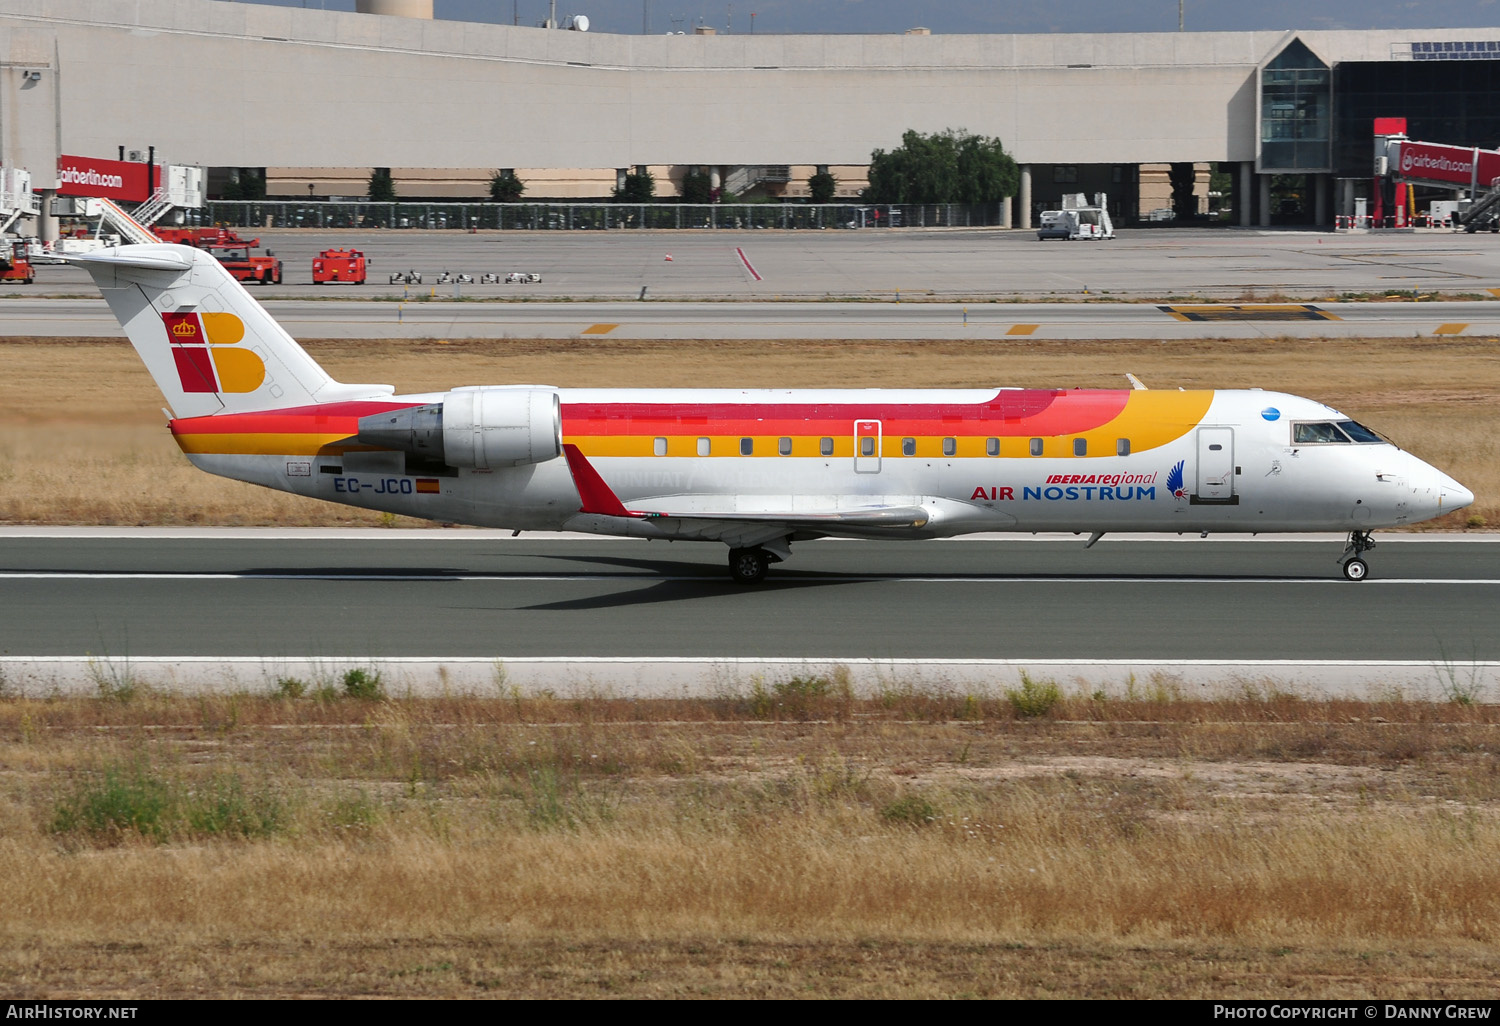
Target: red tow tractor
point(14, 265)
point(339, 265)
point(245, 266)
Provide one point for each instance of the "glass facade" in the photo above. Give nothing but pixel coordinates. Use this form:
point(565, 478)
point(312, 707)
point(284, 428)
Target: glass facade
point(1296, 112)
point(1455, 102)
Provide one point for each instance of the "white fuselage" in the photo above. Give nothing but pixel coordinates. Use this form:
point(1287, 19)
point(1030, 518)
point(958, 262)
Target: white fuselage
point(1236, 469)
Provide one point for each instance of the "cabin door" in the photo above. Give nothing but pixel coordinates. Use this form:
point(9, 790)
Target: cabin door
point(1215, 465)
point(867, 446)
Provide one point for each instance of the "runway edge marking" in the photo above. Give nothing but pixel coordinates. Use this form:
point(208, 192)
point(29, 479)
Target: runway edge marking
point(700, 677)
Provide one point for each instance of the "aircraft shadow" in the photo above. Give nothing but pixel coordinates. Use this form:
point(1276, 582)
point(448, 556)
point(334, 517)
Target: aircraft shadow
point(686, 573)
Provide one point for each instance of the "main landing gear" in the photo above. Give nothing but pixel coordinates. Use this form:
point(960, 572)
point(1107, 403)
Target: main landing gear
point(749, 566)
point(1355, 568)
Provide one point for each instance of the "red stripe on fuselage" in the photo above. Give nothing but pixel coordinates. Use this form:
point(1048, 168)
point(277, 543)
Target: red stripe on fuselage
point(1020, 412)
point(1009, 413)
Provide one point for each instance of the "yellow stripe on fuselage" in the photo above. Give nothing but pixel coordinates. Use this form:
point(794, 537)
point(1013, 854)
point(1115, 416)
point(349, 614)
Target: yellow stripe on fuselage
point(264, 444)
point(1149, 420)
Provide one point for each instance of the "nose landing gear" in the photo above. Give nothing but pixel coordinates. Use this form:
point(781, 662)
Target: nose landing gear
point(1355, 568)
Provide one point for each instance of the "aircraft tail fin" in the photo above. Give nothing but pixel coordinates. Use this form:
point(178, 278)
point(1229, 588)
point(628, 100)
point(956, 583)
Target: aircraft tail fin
point(210, 347)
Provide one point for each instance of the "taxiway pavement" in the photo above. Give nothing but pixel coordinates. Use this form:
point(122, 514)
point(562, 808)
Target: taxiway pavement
point(889, 320)
point(1225, 265)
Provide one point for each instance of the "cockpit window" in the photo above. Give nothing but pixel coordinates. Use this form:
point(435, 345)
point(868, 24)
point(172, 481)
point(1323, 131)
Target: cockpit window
point(1359, 432)
point(1309, 434)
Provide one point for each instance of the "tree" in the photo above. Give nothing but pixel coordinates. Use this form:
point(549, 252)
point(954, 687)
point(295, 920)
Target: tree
point(697, 187)
point(821, 186)
point(382, 189)
point(951, 166)
point(1221, 182)
point(505, 187)
point(640, 187)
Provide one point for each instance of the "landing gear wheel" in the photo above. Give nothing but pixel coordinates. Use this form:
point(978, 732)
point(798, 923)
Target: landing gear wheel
point(1355, 568)
point(749, 566)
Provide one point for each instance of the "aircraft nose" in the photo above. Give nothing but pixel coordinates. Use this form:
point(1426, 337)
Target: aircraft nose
point(1452, 494)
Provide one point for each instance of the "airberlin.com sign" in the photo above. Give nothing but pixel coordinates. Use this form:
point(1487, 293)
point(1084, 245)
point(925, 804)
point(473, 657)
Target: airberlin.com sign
point(1447, 163)
point(109, 179)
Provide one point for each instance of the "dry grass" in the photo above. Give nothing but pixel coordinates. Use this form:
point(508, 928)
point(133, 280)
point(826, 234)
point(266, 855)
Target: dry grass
point(83, 440)
point(1266, 847)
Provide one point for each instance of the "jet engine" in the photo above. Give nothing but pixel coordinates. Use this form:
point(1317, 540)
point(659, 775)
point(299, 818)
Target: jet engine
point(474, 428)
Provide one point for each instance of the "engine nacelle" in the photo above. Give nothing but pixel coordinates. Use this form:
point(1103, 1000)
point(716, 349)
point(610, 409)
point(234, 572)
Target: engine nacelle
point(475, 428)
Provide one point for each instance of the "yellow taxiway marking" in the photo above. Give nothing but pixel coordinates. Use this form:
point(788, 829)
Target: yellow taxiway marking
point(1450, 329)
point(1493, 292)
point(1022, 329)
point(1301, 312)
point(599, 329)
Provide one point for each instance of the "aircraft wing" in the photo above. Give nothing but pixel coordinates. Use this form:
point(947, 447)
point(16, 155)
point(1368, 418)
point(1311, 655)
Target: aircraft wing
point(740, 527)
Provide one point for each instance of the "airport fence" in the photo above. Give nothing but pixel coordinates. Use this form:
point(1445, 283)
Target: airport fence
point(588, 216)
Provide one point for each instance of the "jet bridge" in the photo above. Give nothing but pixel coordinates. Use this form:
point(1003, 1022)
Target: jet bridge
point(1461, 169)
point(16, 198)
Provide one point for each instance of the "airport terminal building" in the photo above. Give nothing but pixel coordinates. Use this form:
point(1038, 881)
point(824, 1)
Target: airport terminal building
point(318, 98)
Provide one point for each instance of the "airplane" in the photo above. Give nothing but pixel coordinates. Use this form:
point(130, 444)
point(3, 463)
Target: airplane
point(756, 469)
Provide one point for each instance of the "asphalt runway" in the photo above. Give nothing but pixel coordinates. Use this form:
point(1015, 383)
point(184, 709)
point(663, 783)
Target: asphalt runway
point(1238, 265)
point(757, 320)
point(656, 613)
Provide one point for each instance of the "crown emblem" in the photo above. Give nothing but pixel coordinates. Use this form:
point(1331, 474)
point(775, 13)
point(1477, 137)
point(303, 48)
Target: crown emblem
point(184, 328)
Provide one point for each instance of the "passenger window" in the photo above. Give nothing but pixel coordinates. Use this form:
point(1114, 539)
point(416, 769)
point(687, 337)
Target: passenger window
point(659, 447)
point(950, 446)
point(1122, 447)
point(1080, 447)
point(1036, 447)
point(747, 446)
point(825, 446)
point(703, 446)
point(908, 446)
point(992, 446)
point(784, 446)
point(866, 447)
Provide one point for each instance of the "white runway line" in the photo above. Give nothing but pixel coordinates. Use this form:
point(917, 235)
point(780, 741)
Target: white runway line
point(807, 577)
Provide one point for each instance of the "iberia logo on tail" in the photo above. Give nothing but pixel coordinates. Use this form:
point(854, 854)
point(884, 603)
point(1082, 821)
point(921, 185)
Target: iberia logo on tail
point(206, 349)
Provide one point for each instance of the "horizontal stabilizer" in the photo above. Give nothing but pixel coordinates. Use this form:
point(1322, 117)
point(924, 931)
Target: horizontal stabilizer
point(147, 258)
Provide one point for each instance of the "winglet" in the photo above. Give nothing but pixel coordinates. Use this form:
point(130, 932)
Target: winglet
point(1135, 382)
point(596, 495)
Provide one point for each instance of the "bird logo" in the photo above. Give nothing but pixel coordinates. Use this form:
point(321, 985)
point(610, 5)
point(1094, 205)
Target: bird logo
point(1174, 480)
